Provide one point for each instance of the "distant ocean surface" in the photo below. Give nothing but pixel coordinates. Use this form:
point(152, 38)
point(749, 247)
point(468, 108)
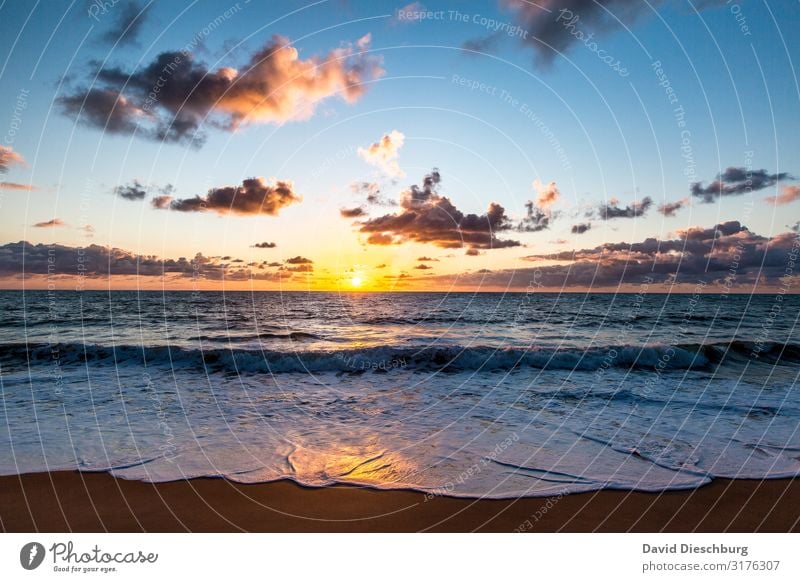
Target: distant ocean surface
point(494, 395)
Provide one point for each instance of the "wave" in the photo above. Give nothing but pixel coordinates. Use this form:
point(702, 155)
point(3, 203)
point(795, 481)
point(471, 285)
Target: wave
point(386, 359)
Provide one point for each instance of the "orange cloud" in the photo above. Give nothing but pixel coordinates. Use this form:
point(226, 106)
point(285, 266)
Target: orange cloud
point(384, 153)
point(8, 158)
point(789, 194)
point(15, 186)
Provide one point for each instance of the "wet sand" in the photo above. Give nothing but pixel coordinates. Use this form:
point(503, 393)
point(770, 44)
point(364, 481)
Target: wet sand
point(96, 502)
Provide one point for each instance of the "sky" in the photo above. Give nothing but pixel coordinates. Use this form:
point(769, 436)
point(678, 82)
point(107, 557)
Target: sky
point(369, 146)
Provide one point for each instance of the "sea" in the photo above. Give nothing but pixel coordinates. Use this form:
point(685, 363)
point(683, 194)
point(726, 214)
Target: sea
point(495, 395)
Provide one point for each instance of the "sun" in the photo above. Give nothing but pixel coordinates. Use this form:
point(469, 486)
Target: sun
point(356, 281)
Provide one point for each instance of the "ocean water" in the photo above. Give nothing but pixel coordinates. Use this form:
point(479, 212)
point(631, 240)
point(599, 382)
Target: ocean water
point(493, 395)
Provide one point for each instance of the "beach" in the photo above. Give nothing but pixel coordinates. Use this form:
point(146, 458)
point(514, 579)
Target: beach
point(97, 502)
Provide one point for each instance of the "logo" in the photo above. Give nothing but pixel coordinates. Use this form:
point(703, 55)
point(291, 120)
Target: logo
point(31, 555)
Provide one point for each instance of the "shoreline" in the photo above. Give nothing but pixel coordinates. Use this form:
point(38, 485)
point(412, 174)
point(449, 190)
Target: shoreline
point(71, 501)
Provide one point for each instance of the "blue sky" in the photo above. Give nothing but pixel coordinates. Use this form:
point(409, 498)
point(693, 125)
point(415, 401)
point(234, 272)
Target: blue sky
point(619, 135)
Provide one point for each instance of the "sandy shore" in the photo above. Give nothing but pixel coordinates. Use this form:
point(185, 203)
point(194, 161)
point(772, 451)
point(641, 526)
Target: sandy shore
point(72, 501)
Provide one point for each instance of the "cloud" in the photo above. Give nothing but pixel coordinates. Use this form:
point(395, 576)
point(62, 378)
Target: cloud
point(8, 158)
point(133, 191)
point(97, 261)
point(423, 267)
point(172, 96)
point(265, 245)
point(377, 238)
point(50, 223)
point(16, 186)
point(161, 202)
point(581, 228)
point(614, 210)
point(254, 196)
point(372, 190)
point(535, 220)
point(352, 212)
point(546, 194)
point(428, 217)
point(727, 255)
point(383, 153)
point(298, 269)
point(484, 44)
point(128, 25)
point(299, 261)
point(427, 259)
point(736, 181)
point(553, 26)
point(670, 208)
point(789, 194)
point(408, 13)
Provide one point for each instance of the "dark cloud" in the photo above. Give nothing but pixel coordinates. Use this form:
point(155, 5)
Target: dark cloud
point(161, 202)
point(171, 97)
point(372, 191)
point(8, 158)
point(736, 181)
point(128, 24)
point(298, 261)
point(254, 196)
point(581, 228)
point(50, 223)
point(352, 212)
point(298, 268)
point(553, 26)
point(727, 254)
point(614, 210)
point(427, 260)
point(537, 219)
point(97, 261)
point(484, 44)
point(670, 208)
point(133, 191)
point(428, 217)
point(423, 267)
point(724, 257)
point(265, 245)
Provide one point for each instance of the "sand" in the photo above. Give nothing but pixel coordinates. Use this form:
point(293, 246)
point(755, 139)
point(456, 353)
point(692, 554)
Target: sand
point(96, 502)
